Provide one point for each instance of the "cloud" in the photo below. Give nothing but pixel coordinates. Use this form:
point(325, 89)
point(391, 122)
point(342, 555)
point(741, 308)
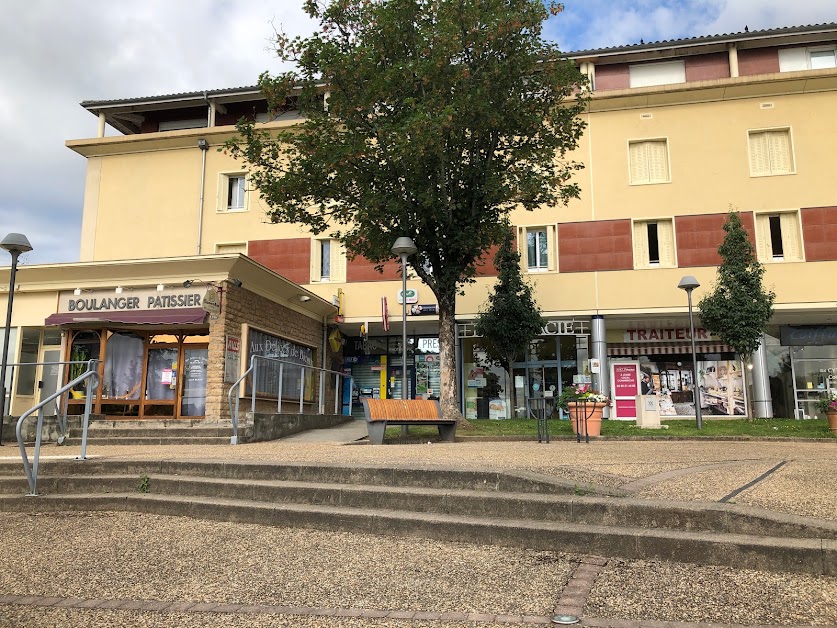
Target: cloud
point(56, 54)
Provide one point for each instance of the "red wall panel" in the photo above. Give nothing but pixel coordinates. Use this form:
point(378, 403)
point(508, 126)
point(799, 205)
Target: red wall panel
point(291, 257)
point(707, 67)
point(612, 77)
point(698, 237)
point(758, 61)
point(361, 269)
point(819, 233)
point(591, 246)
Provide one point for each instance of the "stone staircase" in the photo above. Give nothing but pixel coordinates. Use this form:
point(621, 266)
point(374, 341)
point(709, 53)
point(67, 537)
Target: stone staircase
point(509, 509)
point(102, 432)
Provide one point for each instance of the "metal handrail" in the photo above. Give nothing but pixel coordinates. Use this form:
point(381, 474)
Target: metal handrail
point(234, 394)
point(31, 471)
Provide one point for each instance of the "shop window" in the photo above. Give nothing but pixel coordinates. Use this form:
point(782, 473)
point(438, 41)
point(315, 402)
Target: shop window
point(771, 153)
point(124, 354)
point(29, 345)
point(287, 359)
point(538, 255)
point(328, 260)
point(231, 247)
point(666, 73)
point(778, 237)
point(797, 59)
point(232, 192)
point(654, 244)
point(648, 162)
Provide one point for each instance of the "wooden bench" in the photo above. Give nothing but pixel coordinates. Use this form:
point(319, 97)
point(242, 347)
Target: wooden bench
point(382, 412)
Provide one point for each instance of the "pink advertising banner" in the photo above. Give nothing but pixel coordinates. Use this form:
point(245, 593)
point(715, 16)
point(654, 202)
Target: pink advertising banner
point(626, 408)
point(625, 380)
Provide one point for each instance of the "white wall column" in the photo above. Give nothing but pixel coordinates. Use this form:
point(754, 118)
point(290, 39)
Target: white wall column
point(762, 401)
point(101, 125)
point(733, 61)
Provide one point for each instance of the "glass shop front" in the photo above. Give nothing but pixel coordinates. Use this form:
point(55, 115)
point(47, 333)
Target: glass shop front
point(554, 360)
point(802, 367)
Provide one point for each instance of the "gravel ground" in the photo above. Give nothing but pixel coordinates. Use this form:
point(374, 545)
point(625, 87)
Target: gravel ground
point(677, 592)
point(137, 556)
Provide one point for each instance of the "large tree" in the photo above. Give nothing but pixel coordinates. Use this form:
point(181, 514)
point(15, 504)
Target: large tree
point(423, 118)
point(738, 308)
point(511, 318)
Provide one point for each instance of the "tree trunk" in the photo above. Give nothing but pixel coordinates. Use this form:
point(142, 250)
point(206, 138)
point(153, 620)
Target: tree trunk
point(447, 358)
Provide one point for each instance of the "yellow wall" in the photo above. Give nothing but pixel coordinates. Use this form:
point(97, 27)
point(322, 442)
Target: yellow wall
point(143, 203)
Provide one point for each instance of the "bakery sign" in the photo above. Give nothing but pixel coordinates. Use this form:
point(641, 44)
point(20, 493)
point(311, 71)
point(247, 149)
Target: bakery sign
point(129, 299)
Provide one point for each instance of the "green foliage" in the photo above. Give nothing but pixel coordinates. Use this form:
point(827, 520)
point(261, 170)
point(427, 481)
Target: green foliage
point(145, 484)
point(441, 117)
point(511, 318)
point(738, 308)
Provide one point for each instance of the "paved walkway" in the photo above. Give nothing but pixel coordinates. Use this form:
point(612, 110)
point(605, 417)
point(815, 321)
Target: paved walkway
point(114, 568)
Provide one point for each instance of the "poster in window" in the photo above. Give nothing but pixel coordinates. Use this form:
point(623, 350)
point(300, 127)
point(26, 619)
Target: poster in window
point(286, 358)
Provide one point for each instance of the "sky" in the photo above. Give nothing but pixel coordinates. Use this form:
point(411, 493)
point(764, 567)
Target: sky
point(56, 53)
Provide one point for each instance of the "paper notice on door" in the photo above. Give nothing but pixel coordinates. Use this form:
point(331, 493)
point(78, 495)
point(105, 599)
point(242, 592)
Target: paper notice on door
point(166, 376)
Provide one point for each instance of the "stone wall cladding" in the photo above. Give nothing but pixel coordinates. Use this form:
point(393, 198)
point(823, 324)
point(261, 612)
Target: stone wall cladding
point(241, 306)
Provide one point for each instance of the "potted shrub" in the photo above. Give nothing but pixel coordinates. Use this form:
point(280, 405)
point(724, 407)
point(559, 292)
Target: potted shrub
point(828, 405)
point(584, 405)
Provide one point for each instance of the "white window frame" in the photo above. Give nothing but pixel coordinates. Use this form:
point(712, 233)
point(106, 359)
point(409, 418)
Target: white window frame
point(793, 59)
point(791, 152)
point(764, 246)
point(551, 249)
point(642, 260)
point(224, 180)
point(337, 261)
point(642, 74)
point(649, 140)
point(221, 245)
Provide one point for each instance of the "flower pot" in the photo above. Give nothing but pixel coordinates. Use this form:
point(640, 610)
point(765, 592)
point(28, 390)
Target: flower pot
point(591, 412)
point(832, 421)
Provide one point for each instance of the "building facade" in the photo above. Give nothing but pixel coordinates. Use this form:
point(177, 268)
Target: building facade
point(678, 133)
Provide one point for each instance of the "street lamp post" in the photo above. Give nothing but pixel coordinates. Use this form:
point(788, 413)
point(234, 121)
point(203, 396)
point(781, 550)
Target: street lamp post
point(689, 283)
point(404, 247)
point(15, 244)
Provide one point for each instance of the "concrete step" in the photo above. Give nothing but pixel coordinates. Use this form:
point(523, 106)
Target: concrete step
point(149, 440)
point(479, 480)
point(134, 432)
point(741, 551)
point(602, 511)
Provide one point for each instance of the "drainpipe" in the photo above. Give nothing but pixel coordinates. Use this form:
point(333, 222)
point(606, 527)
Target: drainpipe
point(204, 146)
point(323, 366)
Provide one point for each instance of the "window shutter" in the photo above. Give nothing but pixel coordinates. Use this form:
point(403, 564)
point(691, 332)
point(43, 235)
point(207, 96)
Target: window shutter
point(315, 260)
point(780, 152)
point(759, 153)
point(657, 162)
point(793, 59)
point(763, 248)
point(665, 236)
point(522, 248)
point(641, 245)
point(639, 162)
point(790, 236)
point(338, 261)
point(550, 248)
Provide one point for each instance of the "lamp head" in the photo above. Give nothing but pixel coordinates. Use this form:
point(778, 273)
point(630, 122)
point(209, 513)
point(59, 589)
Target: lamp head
point(303, 298)
point(16, 243)
point(688, 283)
point(188, 283)
point(404, 246)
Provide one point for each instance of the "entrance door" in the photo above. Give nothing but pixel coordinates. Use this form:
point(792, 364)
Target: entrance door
point(394, 382)
point(48, 375)
point(193, 396)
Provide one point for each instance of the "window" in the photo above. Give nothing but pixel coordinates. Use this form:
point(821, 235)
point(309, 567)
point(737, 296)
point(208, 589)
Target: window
point(654, 244)
point(539, 254)
point(328, 260)
point(231, 247)
point(797, 59)
point(778, 237)
point(648, 162)
point(666, 73)
point(771, 152)
point(232, 192)
point(176, 125)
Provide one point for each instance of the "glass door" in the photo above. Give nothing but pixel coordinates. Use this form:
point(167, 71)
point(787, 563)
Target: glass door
point(193, 395)
point(161, 381)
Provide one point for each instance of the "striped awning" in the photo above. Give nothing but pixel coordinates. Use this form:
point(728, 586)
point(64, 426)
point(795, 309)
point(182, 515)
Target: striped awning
point(663, 348)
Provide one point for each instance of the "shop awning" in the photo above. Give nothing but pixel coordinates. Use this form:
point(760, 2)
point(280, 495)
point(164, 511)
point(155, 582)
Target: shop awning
point(182, 316)
point(660, 348)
